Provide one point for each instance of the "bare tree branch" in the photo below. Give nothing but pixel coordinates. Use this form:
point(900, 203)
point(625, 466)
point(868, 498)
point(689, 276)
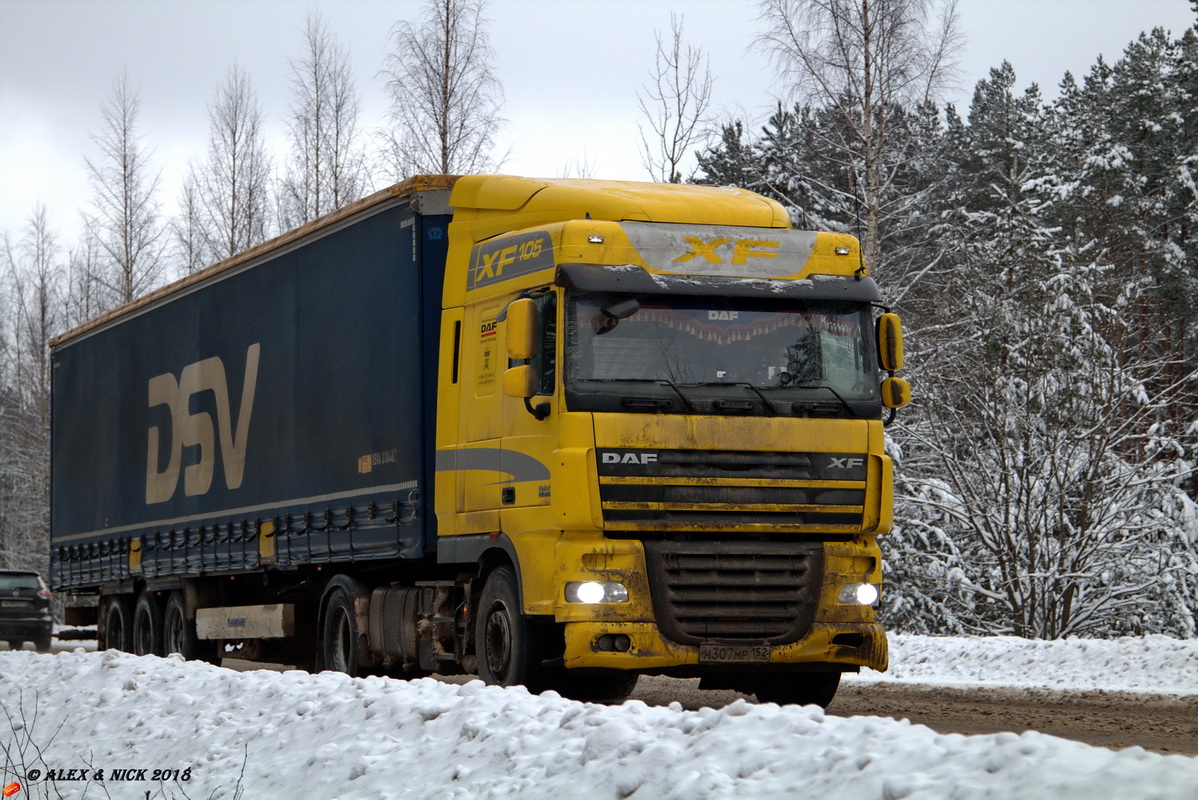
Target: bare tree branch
point(444, 94)
point(674, 105)
point(125, 220)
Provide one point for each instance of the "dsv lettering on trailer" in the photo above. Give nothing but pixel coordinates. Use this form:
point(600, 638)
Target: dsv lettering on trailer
point(189, 429)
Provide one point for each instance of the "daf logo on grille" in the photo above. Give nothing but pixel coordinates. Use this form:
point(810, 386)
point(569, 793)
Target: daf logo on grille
point(629, 458)
point(846, 463)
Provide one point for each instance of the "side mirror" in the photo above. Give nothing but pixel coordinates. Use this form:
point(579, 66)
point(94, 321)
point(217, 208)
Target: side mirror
point(896, 393)
point(890, 343)
point(522, 324)
point(520, 381)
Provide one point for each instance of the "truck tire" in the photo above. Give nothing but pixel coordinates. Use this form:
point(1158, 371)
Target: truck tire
point(15, 644)
point(118, 624)
point(339, 638)
point(179, 632)
point(801, 689)
point(509, 652)
point(147, 625)
point(608, 687)
point(42, 645)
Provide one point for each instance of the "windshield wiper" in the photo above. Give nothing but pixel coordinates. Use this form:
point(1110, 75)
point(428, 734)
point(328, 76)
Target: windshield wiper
point(773, 408)
point(798, 404)
point(690, 406)
point(660, 382)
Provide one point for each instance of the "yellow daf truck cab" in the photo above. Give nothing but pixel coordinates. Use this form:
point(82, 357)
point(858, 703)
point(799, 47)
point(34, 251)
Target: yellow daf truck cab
point(664, 406)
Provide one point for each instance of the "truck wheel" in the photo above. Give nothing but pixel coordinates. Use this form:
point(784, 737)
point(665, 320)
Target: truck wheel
point(15, 644)
point(147, 625)
point(179, 632)
point(118, 624)
point(802, 689)
point(506, 639)
point(42, 645)
point(609, 687)
point(340, 635)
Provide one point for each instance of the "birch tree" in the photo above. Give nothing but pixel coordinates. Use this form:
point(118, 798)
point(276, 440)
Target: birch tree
point(674, 104)
point(866, 61)
point(191, 247)
point(234, 184)
point(445, 97)
point(326, 165)
point(86, 293)
point(124, 219)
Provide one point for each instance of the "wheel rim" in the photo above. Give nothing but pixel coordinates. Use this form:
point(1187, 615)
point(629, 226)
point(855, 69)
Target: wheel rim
point(498, 641)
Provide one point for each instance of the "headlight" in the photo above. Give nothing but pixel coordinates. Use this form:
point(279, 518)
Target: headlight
point(858, 594)
point(596, 592)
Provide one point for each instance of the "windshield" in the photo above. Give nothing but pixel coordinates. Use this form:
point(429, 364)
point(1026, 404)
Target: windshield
point(712, 354)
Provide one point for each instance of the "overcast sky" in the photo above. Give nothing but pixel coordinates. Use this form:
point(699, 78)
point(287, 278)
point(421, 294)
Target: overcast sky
point(570, 71)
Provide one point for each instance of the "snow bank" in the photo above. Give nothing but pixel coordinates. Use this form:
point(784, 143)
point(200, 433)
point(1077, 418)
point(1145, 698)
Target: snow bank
point(1155, 664)
point(294, 735)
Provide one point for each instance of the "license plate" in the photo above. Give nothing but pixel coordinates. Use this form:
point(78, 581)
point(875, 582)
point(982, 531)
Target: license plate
point(14, 603)
point(734, 654)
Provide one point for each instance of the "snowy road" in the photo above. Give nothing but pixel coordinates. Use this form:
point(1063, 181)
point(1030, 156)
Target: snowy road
point(1159, 723)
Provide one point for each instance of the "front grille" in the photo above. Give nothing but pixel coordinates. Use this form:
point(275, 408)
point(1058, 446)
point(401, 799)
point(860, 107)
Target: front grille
point(660, 489)
point(734, 591)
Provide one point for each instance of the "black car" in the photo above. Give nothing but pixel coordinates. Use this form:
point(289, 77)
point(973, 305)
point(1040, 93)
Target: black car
point(24, 610)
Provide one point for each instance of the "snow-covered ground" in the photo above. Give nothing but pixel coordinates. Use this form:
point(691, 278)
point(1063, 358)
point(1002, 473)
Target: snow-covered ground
point(260, 735)
point(1155, 664)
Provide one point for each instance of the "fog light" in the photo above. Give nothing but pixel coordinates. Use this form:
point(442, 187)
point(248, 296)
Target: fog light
point(858, 594)
point(612, 643)
point(591, 592)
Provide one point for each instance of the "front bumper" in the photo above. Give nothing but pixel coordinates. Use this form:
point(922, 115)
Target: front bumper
point(646, 636)
point(843, 644)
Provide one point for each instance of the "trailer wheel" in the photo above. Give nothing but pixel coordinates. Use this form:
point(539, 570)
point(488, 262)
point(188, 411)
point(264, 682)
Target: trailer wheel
point(179, 632)
point(147, 625)
point(805, 689)
point(340, 634)
point(118, 623)
point(509, 651)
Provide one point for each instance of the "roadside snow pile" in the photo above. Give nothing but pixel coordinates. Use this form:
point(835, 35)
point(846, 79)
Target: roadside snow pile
point(1155, 664)
point(293, 735)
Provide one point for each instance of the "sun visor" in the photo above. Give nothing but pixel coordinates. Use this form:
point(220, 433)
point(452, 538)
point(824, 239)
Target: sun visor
point(632, 279)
